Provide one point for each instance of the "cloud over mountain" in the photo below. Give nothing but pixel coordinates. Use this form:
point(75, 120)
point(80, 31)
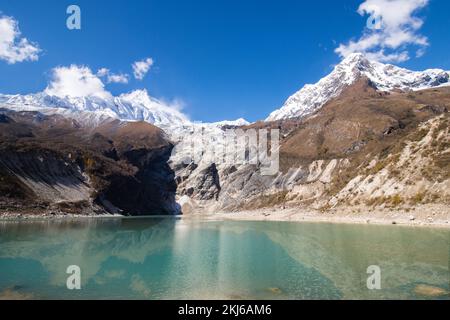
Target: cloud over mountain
point(392, 29)
point(76, 81)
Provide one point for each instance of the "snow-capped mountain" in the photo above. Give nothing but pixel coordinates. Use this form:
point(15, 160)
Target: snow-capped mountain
point(237, 123)
point(134, 106)
point(140, 106)
point(385, 77)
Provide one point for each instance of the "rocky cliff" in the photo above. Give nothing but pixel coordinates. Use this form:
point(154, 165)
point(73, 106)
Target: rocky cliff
point(54, 165)
point(365, 148)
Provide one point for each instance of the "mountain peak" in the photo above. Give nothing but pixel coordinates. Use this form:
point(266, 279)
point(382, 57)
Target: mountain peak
point(355, 61)
point(354, 58)
point(384, 77)
point(136, 95)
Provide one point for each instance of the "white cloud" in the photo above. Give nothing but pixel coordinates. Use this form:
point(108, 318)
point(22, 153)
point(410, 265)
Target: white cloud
point(76, 81)
point(141, 68)
point(398, 30)
point(13, 47)
point(420, 53)
point(112, 77)
point(118, 78)
point(103, 72)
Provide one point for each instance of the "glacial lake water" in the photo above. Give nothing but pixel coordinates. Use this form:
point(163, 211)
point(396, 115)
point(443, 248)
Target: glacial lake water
point(156, 258)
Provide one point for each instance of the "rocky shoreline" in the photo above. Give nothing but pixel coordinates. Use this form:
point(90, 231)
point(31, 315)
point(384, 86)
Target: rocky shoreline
point(423, 216)
point(52, 216)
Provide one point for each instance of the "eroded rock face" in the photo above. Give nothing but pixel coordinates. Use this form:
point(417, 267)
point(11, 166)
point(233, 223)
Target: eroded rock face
point(49, 164)
point(151, 190)
point(364, 148)
point(200, 183)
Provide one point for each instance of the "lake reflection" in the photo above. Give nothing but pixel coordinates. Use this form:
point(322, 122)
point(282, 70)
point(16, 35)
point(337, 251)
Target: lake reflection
point(151, 258)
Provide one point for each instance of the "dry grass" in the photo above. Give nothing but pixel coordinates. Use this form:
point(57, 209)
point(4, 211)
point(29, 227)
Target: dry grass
point(268, 200)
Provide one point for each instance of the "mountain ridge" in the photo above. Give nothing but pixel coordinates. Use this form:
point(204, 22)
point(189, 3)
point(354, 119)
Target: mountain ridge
point(137, 105)
point(385, 77)
point(134, 106)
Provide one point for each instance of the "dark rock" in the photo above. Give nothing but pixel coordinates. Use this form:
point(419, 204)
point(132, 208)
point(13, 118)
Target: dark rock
point(116, 167)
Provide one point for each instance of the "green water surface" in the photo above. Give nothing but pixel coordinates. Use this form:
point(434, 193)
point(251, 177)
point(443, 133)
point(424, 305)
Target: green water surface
point(156, 258)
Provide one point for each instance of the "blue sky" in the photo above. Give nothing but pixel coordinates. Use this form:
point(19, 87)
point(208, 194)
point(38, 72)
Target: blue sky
point(224, 59)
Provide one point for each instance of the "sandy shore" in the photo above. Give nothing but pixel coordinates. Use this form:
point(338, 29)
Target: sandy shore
point(424, 216)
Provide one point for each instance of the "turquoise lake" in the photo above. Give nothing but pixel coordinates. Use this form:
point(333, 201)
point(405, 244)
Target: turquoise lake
point(171, 258)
